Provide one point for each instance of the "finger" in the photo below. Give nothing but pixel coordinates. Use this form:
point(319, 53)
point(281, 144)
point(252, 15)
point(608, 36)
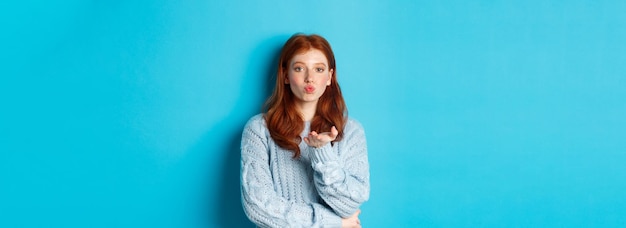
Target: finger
point(333, 132)
point(357, 213)
point(306, 140)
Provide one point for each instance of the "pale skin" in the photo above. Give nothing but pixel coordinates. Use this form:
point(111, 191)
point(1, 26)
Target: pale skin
point(308, 76)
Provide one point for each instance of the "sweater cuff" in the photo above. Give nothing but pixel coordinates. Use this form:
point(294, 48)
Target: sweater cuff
point(324, 154)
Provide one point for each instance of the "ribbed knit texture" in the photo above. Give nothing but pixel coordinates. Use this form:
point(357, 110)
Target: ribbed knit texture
point(315, 190)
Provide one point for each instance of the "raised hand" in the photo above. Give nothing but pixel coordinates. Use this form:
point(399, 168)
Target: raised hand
point(318, 140)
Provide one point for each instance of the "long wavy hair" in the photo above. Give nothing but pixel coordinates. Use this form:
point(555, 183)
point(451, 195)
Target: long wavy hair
point(284, 121)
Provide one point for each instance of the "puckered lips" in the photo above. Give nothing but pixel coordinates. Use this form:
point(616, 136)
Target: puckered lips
point(309, 89)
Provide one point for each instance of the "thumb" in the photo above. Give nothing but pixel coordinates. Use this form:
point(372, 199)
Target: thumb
point(333, 131)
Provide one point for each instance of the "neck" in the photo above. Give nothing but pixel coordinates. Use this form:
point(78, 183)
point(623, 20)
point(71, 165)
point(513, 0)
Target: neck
point(307, 110)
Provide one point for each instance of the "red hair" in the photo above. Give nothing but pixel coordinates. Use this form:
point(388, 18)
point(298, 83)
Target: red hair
point(283, 120)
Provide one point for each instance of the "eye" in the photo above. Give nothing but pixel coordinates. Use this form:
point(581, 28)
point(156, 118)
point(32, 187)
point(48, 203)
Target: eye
point(297, 69)
point(319, 70)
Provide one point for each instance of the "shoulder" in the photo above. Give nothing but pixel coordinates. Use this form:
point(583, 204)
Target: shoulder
point(353, 134)
point(353, 126)
point(352, 123)
point(256, 123)
point(257, 119)
point(255, 128)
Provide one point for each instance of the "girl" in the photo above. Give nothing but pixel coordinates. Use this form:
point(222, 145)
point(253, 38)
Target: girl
point(304, 162)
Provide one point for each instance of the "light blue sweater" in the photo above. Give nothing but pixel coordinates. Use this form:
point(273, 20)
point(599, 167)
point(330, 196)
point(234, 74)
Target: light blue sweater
point(315, 190)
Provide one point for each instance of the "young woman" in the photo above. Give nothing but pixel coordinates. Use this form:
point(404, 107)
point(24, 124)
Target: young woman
point(304, 162)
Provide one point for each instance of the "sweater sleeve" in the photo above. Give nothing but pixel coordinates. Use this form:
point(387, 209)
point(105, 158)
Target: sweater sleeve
point(342, 173)
point(261, 203)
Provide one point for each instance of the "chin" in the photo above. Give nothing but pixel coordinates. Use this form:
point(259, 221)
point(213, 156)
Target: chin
point(310, 99)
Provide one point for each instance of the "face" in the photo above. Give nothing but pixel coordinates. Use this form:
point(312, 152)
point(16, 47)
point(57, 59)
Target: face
point(308, 75)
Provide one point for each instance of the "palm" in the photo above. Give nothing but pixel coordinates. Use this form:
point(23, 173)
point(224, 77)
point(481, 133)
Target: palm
point(320, 139)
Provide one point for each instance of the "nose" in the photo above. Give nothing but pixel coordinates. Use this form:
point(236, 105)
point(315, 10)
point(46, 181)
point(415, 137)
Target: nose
point(307, 77)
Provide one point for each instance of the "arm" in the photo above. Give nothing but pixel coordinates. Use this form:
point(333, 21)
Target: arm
point(260, 202)
point(342, 179)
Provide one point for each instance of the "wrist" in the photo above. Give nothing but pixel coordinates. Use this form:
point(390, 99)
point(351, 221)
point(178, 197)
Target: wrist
point(320, 145)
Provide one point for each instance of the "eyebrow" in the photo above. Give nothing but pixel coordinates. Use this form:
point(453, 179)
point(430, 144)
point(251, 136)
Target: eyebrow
point(305, 63)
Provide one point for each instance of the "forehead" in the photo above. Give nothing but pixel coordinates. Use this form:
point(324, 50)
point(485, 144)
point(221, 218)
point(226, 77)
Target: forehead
point(310, 56)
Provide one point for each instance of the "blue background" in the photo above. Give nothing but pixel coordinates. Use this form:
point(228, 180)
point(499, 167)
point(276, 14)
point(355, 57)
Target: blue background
point(477, 113)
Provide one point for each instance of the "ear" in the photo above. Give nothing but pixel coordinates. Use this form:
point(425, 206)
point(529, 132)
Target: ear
point(331, 71)
point(286, 79)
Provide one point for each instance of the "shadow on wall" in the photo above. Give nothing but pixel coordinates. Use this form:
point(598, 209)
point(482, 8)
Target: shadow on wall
point(259, 76)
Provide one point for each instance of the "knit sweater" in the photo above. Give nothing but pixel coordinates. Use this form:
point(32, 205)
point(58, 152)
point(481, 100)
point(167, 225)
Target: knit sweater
point(317, 189)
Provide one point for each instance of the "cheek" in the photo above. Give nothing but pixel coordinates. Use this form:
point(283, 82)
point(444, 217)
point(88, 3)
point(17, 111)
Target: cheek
point(292, 77)
point(292, 86)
